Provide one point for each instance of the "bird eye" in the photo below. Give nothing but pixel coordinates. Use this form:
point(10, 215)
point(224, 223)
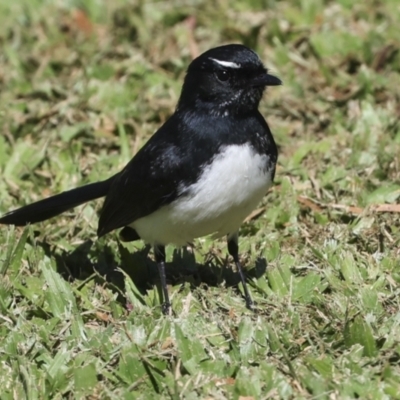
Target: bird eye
point(222, 75)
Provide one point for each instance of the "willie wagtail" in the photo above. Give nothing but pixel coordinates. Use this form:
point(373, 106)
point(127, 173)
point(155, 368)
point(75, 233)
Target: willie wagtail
point(201, 173)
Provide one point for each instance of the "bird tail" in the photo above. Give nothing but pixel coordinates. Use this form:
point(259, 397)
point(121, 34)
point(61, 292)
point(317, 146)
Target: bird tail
point(55, 205)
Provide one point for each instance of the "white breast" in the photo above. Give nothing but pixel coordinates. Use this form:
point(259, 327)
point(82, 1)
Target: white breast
point(226, 192)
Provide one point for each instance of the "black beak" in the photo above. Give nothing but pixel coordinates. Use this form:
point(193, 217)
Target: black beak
point(267, 80)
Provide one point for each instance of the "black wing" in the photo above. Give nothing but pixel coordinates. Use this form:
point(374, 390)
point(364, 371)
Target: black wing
point(169, 161)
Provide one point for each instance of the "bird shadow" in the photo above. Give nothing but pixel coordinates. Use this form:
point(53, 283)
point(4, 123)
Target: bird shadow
point(109, 266)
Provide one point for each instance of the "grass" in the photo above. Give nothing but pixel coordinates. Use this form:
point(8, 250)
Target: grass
point(82, 86)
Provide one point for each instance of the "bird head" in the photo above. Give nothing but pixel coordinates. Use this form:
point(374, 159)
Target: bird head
point(226, 80)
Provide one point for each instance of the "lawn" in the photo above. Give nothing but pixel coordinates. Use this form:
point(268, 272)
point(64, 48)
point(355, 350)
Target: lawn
point(83, 85)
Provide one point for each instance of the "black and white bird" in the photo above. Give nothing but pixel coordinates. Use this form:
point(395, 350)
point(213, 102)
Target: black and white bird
point(201, 173)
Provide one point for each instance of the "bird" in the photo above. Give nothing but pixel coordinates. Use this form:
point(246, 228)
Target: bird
point(201, 173)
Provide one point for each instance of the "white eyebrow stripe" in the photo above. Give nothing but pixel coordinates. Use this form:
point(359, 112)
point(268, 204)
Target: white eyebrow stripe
point(227, 64)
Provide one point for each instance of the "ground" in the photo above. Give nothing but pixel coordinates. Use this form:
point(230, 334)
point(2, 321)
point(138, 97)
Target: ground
point(83, 85)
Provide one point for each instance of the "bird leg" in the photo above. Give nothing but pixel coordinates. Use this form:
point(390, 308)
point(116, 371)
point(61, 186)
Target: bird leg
point(159, 253)
point(233, 249)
